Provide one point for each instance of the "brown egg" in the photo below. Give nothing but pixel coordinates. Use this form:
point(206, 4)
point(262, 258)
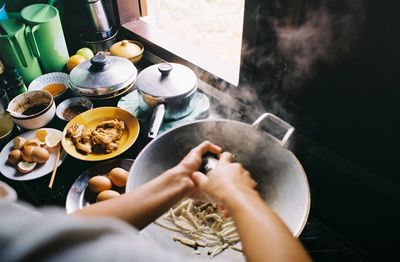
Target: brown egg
point(107, 194)
point(27, 153)
point(19, 142)
point(99, 183)
point(25, 167)
point(14, 156)
point(32, 142)
point(40, 155)
point(118, 176)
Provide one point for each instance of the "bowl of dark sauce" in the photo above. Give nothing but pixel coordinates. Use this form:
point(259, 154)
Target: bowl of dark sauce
point(33, 109)
point(72, 107)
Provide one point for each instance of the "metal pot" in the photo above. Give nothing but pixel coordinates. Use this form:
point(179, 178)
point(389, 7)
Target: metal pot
point(102, 77)
point(167, 89)
point(281, 179)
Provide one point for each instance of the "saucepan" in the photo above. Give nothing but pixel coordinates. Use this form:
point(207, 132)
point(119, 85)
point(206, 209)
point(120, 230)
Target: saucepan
point(168, 90)
point(281, 179)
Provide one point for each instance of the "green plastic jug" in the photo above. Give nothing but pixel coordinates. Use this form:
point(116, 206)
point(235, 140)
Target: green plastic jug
point(45, 34)
point(15, 51)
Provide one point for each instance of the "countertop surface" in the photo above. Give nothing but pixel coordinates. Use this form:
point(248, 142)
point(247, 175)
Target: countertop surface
point(323, 243)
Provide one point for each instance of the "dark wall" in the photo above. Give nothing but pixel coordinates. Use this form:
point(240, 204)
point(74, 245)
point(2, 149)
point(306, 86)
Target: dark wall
point(331, 68)
point(333, 71)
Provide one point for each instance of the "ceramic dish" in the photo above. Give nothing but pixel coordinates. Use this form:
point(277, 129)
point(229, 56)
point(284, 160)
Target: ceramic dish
point(49, 82)
point(78, 196)
point(39, 171)
point(91, 119)
point(71, 102)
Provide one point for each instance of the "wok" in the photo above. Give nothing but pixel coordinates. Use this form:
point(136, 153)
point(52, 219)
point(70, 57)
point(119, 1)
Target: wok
point(280, 177)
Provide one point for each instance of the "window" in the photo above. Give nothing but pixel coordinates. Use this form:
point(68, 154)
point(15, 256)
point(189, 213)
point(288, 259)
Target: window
point(212, 25)
point(205, 33)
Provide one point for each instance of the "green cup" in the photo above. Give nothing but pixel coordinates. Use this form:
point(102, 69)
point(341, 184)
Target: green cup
point(15, 51)
point(45, 34)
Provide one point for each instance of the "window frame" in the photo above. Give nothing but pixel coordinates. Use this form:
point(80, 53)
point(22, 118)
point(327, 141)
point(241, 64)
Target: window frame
point(209, 68)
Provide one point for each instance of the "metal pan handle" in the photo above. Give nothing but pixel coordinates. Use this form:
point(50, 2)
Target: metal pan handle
point(156, 120)
point(288, 129)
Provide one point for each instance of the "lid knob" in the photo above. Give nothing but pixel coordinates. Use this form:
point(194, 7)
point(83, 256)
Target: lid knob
point(99, 63)
point(165, 69)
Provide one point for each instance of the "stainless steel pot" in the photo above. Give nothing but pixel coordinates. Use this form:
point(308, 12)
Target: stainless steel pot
point(281, 179)
point(102, 77)
point(167, 89)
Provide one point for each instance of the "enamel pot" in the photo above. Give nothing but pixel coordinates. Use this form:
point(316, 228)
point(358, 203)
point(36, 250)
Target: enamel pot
point(168, 90)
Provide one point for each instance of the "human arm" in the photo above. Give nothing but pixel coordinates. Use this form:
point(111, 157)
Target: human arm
point(263, 234)
point(147, 202)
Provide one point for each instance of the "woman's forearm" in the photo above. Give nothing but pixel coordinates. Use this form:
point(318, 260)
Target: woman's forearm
point(264, 236)
point(147, 202)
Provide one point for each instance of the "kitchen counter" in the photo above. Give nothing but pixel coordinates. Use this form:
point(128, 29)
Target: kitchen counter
point(322, 242)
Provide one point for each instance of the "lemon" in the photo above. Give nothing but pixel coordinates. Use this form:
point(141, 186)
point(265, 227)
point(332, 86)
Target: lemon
point(52, 139)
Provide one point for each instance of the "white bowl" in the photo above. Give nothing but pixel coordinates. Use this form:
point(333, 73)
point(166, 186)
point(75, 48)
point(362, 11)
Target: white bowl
point(75, 101)
point(48, 79)
point(27, 100)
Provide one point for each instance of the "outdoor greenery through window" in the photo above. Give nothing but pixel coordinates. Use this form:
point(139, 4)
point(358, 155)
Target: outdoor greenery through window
point(214, 25)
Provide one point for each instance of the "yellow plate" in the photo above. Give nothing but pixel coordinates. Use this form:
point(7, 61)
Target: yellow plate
point(91, 119)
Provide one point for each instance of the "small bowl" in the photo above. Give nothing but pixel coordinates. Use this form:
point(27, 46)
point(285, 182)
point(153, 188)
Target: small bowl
point(46, 109)
point(139, 56)
point(51, 82)
point(121, 49)
point(75, 101)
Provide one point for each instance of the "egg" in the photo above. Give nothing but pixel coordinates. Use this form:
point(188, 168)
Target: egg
point(40, 155)
point(118, 176)
point(99, 183)
point(25, 167)
point(107, 194)
point(14, 156)
point(32, 142)
point(19, 142)
point(27, 153)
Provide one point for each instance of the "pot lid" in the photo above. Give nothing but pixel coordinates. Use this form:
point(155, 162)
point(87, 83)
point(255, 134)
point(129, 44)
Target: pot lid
point(125, 48)
point(166, 80)
point(39, 13)
point(102, 75)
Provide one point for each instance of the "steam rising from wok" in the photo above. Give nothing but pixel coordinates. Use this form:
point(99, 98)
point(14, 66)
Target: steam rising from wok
point(299, 37)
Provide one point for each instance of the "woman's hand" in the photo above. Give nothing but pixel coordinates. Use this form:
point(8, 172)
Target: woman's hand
point(224, 180)
point(191, 163)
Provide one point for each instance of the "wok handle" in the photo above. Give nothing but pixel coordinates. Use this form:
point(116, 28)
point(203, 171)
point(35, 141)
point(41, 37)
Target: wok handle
point(156, 120)
point(278, 123)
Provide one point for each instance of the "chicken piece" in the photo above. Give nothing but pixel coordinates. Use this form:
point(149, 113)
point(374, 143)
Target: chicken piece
point(86, 147)
point(100, 138)
point(111, 147)
point(86, 135)
point(112, 133)
point(119, 125)
point(75, 131)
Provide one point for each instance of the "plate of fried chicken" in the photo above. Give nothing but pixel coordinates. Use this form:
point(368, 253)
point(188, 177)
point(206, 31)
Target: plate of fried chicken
point(101, 133)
